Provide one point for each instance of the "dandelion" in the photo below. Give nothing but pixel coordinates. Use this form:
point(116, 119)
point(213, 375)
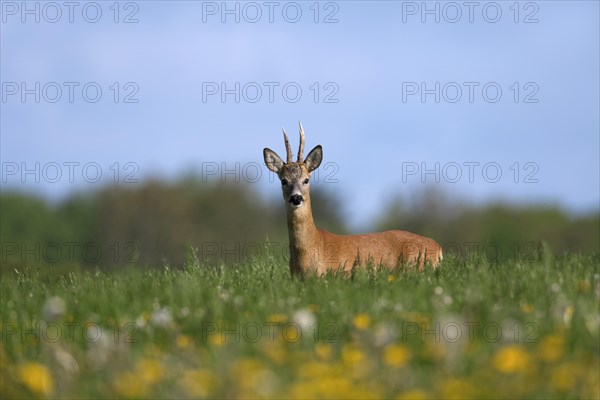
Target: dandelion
point(184, 312)
point(128, 385)
point(384, 334)
point(253, 378)
point(458, 388)
point(277, 318)
point(149, 370)
point(275, 351)
point(583, 286)
point(66, 361)
point(217, 340)
point(391, 278)
point(142, 320)
point(161, 318)
point(36, 378)
point(198, 383)
point(323, 351)
point(183, 342)
point(54, 309)
point(413, 394)
point(305, 319)
point(100, 352)
point(563, 378)
point(352, 355)
point(568, 315)
point(361, 321)
point(526, 308)
point(511, 359)
point(551, 348)
point(396, 355)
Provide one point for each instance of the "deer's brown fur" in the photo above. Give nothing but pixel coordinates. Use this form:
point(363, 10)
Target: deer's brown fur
point(318, 251)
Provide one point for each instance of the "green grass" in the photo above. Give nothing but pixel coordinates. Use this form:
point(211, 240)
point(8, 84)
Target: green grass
point(466, 330)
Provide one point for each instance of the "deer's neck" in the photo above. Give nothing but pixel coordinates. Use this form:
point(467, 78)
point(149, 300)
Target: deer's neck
point(303, 234)
point(301, 226)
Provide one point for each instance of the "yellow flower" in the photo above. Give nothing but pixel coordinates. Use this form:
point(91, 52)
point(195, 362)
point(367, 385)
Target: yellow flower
point(149, 370)
point(277, 318)
point(183, 341)
point(526, 308)
point(361, 321)
point(551, 348)
point(396, 355)
point(413, 394)
point(275, 351)
point(511, 359)
point(352, 355)
point(328, 381)
point(583, 286)
point(435, 351)
point(391, 278)
point(253, 379)
point(128, 384)
point(323, 351)
point(563, 378)
point(355, 361)
point(418, 318)
point(316, 370)
point(198, 383)
point(36, 377)
point(217, 339)
point(457, 388)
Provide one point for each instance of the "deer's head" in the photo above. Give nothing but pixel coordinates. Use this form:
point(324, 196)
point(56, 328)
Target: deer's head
point(294, 176)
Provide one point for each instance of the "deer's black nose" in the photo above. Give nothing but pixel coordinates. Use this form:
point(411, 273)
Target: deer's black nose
point(296, 199)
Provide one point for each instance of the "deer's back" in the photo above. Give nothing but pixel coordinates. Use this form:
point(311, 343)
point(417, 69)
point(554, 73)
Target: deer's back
point(389, 248)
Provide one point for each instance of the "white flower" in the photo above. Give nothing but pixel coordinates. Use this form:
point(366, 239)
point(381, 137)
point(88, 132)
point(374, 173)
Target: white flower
point(99, 352)
point(161, 318)
point(385, 334)
point(305, 319)
point(54, 309)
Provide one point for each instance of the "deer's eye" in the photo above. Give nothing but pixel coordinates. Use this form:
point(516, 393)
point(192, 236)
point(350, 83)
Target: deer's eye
point(306, 181)
point(284, 182)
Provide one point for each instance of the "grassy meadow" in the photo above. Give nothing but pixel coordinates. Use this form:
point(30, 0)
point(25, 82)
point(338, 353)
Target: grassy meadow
point(471, 329)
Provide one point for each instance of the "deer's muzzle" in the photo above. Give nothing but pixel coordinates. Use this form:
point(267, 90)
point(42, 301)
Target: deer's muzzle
point(296, 200)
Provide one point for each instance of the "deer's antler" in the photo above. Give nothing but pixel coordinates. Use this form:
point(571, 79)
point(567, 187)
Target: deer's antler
point(301, 149)
point(288, 149)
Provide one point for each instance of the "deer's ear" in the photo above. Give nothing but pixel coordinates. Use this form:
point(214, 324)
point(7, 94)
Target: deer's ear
point(314, 158)
point(272, 160)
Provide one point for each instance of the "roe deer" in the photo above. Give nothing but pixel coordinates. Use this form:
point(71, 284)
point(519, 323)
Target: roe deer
point(318, 251)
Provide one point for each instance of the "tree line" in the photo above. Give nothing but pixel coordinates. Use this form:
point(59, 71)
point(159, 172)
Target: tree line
point(160, 223)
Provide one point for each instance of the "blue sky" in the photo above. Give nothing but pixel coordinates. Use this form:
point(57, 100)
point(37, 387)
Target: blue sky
point(519, 99)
